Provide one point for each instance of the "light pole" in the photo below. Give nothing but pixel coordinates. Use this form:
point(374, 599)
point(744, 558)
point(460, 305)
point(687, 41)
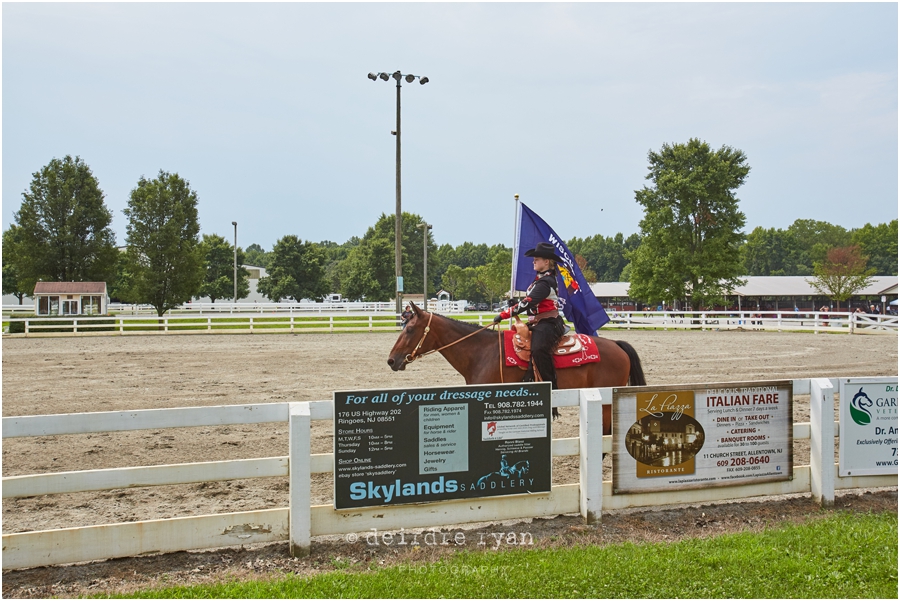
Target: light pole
point(234, 223)
point(397, 266)
point(424, 227)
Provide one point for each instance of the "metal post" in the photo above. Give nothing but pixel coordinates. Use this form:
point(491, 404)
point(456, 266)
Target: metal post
point(234, 223)
point(425, 269)
point(425, 227)
point(515, 262)
point(398, 268)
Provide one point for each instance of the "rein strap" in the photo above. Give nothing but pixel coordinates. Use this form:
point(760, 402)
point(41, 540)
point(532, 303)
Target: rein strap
point(414, 355)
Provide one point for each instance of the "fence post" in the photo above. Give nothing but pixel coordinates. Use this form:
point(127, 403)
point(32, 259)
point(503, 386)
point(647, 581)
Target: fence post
point(26, 327)
point(331, 324)
point(821, 440)
point(590, 443)
point(121, 326)
point(74, 326)
point(779, 321)
point(370, 323)
point(300, 479)
point(292, 320)
point(852, 323)
point(251, 324)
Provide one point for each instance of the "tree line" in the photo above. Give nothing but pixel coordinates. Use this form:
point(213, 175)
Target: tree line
point(690, 247)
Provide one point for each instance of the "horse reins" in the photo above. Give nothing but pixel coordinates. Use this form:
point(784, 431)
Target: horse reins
point(414, 354)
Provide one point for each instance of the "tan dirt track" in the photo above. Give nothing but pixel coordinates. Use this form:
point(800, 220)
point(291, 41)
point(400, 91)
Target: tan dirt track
point(85, 374)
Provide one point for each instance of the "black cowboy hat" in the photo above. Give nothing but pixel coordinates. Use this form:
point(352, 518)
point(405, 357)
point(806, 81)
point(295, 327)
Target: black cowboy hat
point(544, 251)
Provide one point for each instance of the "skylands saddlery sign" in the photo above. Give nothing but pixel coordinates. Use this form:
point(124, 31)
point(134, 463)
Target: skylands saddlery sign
point(433, 444)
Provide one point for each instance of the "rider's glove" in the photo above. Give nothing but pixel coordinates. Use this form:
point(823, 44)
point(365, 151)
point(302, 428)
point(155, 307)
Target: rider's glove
point(498, 318)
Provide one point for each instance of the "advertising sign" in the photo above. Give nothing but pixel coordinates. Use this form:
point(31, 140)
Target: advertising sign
point(683, 437)
point(432, 444)
point(868, 433)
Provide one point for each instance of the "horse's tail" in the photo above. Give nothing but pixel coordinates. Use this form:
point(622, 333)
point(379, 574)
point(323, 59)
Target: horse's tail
point(636, 373)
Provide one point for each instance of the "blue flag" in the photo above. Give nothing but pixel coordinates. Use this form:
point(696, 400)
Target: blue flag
point(576, 300)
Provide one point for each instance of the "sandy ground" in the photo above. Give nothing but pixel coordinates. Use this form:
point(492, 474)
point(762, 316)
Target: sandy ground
point(68, 375)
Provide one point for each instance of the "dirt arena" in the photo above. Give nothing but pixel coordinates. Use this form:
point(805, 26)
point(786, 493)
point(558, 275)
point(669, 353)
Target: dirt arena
point(70, 375)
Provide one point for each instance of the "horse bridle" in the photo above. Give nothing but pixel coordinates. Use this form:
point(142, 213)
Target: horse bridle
point(414, 354)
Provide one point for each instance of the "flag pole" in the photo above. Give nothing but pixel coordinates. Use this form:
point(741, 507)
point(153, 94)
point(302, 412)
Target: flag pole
point(515, 249)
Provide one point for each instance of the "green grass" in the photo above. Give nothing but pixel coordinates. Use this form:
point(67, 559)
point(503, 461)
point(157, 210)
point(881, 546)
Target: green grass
point(841, 556)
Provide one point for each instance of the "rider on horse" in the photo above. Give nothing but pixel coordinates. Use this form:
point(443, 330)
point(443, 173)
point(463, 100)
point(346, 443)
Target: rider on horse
point(541, 306)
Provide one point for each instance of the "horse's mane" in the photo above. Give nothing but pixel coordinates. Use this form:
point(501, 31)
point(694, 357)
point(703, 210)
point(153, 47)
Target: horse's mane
point(465, 325)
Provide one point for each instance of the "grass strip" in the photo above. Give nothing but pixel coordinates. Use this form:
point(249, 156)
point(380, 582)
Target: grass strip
point(841, 556)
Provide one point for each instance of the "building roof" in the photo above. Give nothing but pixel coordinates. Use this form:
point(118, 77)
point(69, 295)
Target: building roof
point(70, 288)
point(766, 286)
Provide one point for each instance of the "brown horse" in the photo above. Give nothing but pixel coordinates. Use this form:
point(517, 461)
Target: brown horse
point(475, 353)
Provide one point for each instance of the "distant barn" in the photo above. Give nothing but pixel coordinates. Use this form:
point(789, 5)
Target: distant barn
point(70, 298)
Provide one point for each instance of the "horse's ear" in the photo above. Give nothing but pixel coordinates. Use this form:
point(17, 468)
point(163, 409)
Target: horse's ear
point(415, 309)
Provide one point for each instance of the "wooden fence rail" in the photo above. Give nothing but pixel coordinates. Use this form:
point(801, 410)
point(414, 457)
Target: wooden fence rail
point(301, 521)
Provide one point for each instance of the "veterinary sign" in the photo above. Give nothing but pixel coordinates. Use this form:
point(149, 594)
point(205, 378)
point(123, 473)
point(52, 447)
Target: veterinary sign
point(868, 434)
point(432, 444)
point(683, 437)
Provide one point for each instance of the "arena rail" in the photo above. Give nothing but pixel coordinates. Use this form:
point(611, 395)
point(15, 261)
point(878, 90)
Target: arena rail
point(344, 321)
point(301, 520)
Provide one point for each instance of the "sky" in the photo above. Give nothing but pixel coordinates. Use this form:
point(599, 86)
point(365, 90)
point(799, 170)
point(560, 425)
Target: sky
point(267, 111)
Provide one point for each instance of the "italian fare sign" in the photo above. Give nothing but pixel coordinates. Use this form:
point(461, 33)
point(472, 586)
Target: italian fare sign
point(686, 437)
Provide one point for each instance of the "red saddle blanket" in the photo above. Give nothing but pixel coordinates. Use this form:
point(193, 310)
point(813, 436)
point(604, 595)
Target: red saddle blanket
point(588, 353)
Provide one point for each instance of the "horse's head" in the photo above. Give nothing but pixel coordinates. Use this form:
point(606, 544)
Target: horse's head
point(414, 322)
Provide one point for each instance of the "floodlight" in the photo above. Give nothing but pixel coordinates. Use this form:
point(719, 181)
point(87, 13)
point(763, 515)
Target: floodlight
point(423, 80)
point(384, 76)
point(410, 78)
point(373, 77)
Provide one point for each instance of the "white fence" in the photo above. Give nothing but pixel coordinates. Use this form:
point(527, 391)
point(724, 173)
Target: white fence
point(293, 320)
point(301, 521)
point(268, 308)
point(755, 320)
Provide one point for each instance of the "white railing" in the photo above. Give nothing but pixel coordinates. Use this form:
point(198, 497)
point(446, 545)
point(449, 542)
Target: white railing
point(301, 520)
point(342, 320)
point(810, 321)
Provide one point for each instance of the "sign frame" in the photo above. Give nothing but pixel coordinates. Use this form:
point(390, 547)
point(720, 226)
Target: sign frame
point(725, 432)
point(871, 436)
point(423, 445)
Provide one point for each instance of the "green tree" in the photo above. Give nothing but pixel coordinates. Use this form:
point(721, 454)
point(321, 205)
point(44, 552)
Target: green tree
point(691, 230)
point(370, 273)
point(842, 273)
point(586, 271)
point(11, 282)
point(64, 232)
point(218, 262)
point(493, 278)
point(164, 255)
point(811, 241)
point(296, 271)
point(769, 252)
point(606, 257)
point(256, 256)
point(458, 282)
point(879, 243)
point(124, 281)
